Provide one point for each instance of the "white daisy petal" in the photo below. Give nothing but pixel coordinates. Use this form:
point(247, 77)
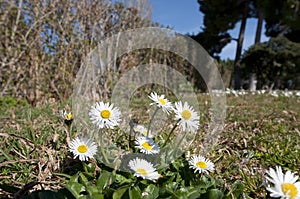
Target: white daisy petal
point(201, 164)
point(188, 118)
point(290, 177)
point(84, 148)
point(161, 102)
point(105, 115)
point(285, 185)
point(143, 168)
point(147, 145)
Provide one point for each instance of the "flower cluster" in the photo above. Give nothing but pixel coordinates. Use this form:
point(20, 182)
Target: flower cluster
point(184, 113)
point(106, 115)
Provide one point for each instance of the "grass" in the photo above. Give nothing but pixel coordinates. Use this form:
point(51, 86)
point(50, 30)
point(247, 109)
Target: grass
point(260, 132)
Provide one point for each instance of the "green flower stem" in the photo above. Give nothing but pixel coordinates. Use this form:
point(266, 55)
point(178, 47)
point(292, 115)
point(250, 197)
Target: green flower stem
point(102, 149)
point(168, 138)
point(151, 119)
point(68, 130)
point(137, 182)
point(179, 143)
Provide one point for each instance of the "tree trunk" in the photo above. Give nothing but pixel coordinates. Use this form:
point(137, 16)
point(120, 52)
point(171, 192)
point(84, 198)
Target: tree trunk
point(253, 81)
point(237, 76)
point(259, 27)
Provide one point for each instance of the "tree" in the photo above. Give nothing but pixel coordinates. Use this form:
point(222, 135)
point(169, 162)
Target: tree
point(221, 16)
point(212, 43)
point(282, 18)
point(274, 62)
point(43, 43)
point(237, 75)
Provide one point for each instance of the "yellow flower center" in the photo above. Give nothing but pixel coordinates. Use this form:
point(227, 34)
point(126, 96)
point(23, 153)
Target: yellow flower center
point(105, 114)
point(69, 116)
point(186, 114)
point(82, 148)
point(162, 101)
point(291, 189)
point(147, 146)
point(201, 164)
point(142, 172)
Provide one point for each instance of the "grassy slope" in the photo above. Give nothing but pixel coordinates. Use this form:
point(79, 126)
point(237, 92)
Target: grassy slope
point(260, 132)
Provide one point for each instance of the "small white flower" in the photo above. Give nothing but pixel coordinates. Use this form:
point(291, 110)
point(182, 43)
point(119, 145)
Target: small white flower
point(67, 116)
point(147, 145)
point(201, 164)
point(285, 185)
point(143, 131)
point(143, 168)
point(145, 193)
point(274, 93)
point(189, 119)
point(161, 102)
point(84, 148)
point(287, 93)
point(105, 115)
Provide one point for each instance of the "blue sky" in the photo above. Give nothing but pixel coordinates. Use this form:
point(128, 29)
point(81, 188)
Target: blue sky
point(184, 17)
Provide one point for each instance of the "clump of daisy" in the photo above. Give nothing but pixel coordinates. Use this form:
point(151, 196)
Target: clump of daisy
point(201, 164)
point(143, 168)
point(105, 115)
point(146, 145)
point(285, 185)
point(161, 102)
point(83, 147)
point(143, 131)
point(188, 118)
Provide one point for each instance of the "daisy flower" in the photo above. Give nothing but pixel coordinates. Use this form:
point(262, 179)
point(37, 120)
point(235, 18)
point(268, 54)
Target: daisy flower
point(147, 145)
point(285, 185)
point(161, 102)
point(188, 118)
point(201, 164)
point(143, 131)
point(105, 115)
point(83, 147)
point(67, 115)
point(143, 169)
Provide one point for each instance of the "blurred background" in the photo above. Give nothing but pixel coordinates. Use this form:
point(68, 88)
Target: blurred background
point(255, 43)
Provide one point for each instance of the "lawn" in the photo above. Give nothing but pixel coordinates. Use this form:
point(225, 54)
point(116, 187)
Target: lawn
point(261, 131)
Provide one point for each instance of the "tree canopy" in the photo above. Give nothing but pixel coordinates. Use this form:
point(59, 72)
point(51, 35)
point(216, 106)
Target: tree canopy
point(281, 17)
point(274, 62)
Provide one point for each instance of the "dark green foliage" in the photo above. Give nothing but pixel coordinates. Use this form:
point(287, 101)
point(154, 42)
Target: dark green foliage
point(282, 18)
point(178, 181)
point(273, 61)
point(219, 17)
point(212, 43)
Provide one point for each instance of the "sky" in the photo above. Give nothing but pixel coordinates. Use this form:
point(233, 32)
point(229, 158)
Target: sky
point(184, 17)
